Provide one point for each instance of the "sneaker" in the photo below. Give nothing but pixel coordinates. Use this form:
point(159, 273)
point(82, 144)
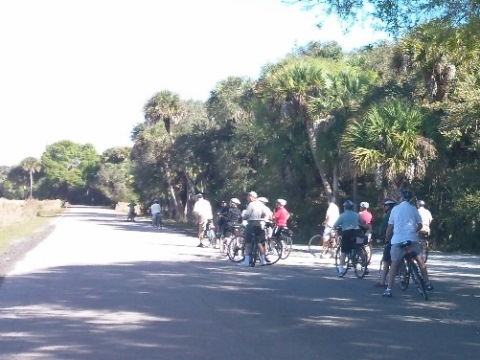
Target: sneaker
point(429, 286)
point(340, 275)
point(200, 245)
point(387, 293)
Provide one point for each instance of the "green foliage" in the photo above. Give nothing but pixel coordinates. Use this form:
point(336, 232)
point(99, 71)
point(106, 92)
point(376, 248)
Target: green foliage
point(67, 165)
point(395, 16)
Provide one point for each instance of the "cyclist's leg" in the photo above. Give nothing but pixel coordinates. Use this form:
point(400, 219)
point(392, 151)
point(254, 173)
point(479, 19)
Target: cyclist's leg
point(248, 238)
point(421, 264)
point(396, 254)
point(326, 239)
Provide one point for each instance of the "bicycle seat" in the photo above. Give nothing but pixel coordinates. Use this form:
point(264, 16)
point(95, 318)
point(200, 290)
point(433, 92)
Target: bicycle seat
point(405, 244)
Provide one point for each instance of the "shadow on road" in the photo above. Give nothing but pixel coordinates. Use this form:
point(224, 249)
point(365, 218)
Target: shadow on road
point(172, 310)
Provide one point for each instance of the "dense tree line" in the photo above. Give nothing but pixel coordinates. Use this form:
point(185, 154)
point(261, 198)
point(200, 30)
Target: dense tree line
point(360, 125)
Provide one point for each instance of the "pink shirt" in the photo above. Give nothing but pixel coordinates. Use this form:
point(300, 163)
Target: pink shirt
point(366, 216)
point(281, 216)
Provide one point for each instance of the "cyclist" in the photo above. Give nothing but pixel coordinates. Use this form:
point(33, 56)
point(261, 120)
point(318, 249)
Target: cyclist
point(427, 218)
point(155, 209)
point(330, 217)
point(254, 215)
point(403, 224)
point(280, 217)
point(233, 215)
point(131, 210)
point(202, 211)
point(388, 205)
point(222, 219)
point(350, 222)
point(368, 218)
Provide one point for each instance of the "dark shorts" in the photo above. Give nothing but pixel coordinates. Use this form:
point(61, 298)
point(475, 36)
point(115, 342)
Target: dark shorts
point(349, 240)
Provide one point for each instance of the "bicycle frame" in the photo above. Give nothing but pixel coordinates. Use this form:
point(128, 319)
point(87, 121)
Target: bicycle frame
point(409, 268)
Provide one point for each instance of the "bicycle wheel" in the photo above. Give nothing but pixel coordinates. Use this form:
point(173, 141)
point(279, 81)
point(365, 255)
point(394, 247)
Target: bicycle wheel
point(287, 244)
point(273, 251)
point(403, 275)
point(418, 280)
point(235, 249)
point(424, 244)
point(253, 256)
point(359, 260)
point(369, 252)
point(315, 246)
point(337, 260)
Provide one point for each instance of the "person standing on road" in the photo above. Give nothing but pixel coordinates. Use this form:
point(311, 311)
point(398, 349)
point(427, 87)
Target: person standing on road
point(330, 217)
point(254, 215)
point(202, 211)
point(350, 222)
point(403, 224)
point(368, 218)
point(280, 217)
point(426, 216)
point(155, 209)
point(388, 205)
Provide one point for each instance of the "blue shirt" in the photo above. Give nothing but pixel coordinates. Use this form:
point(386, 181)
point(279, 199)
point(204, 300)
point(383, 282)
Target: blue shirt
point(349, 220)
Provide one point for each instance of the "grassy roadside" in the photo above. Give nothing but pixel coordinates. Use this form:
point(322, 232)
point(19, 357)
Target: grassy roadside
point(13, 233)
point(20, 220)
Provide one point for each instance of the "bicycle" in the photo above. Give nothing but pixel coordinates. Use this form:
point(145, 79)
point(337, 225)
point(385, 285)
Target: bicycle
point(131, 216)
point(409, 268)
point(315, 244)
point(273, 248)
point(286, 240)
point(232, 231)
point(236, 249)
point(157, 221)
point(209, 238)
point(356, 259)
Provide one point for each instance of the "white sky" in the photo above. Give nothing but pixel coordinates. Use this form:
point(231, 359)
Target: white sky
point(82, 70)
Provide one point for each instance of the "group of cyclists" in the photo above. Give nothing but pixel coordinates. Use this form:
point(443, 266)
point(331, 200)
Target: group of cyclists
point(257, 218)
point(401, 222)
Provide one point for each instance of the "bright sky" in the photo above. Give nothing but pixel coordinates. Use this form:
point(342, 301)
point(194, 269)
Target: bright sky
point(82, 70)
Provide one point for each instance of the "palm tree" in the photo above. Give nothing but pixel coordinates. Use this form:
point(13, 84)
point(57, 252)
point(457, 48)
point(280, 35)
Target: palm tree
point(164, 106)
point(31, 165)
point(289, 88)
point(388, 142)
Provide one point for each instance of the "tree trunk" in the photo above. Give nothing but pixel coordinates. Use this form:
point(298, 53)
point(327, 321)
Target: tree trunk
point(173, 196)
point(312, 131)
point(31, 185)
point(190, 191)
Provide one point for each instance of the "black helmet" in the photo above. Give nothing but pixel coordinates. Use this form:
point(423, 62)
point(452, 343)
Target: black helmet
point(406, 194)
point(348, 204)
point(331, 198)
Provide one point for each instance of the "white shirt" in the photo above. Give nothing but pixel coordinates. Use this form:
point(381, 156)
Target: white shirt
point(332, 214)
point(202, 210)
point(155, 209)
point(405, 219)
point(255, 210)
point(426, 216)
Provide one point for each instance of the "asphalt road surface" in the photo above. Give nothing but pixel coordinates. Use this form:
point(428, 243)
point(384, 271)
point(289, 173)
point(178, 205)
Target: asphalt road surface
point(101, 288)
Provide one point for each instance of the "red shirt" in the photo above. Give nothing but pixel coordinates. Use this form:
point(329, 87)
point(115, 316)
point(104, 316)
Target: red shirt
point(281, 216)
point(367, 216)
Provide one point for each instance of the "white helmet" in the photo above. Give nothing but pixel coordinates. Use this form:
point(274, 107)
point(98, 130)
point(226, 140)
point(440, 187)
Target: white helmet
point(235, 201)
point(364, 205)
point(282, 202)
point(263, 199)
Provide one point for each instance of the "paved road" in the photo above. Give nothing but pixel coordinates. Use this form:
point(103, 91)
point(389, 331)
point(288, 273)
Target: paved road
point(101, 288)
